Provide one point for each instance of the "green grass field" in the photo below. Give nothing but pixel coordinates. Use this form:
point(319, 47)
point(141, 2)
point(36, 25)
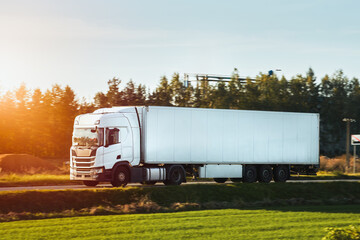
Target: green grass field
point(301, 222)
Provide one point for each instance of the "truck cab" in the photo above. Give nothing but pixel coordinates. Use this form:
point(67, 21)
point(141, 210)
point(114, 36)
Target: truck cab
point(103, 140)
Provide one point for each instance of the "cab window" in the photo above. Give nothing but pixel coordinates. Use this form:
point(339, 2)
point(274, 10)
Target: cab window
point(112, 136)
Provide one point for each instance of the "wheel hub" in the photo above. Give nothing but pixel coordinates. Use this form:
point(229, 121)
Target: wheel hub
point(175, 176)
point(122, 177)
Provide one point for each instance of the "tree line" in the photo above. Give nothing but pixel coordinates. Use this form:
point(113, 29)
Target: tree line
point(40, 123)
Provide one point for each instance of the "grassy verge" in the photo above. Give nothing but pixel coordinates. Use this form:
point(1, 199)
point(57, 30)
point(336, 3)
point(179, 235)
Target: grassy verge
point(276, 223)
point(327, 176)
point(54, 203)
point(16, 180)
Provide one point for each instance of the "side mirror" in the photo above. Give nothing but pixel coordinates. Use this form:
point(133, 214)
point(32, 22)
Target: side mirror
point(93, 130)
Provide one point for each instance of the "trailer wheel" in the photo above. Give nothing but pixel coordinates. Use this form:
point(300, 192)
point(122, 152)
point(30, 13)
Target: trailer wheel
point(121, 177)
point(235, 179)
point(250, 174)
point(265, 174)
point(176, 176)
point(281, 173)
point(90, 183)
point(220, 180)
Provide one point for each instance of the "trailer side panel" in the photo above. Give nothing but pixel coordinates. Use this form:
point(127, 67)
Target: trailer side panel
point(216, 136)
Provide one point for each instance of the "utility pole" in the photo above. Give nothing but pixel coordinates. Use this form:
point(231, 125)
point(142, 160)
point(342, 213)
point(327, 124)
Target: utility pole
point(355, 140)
point(348, 121)
point(354, 159)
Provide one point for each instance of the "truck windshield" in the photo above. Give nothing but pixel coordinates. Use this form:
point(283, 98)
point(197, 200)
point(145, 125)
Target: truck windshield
point(88, 137)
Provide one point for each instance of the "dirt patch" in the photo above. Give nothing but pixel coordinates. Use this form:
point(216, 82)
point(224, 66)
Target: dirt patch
point(24, 164)
point(336, 164)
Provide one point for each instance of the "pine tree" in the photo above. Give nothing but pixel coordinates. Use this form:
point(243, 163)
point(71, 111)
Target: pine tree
point(235, 91)
point(219, 97)
point(163, 93)
point(313, 91)
point(113, 95)
point(140, 95)
point(298, 98)
point(128, 95)
point(252, 95)
point(181, 95)
point(101, 100)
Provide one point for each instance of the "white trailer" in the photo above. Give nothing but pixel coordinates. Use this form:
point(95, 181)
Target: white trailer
point(150, 144)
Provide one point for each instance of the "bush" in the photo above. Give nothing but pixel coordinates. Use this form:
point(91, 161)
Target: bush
point(337, 164)
point(25, 163)
point(348, 233)
point(217, 196)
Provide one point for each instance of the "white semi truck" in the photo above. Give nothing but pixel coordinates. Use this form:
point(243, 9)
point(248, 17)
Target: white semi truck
point(152, 144)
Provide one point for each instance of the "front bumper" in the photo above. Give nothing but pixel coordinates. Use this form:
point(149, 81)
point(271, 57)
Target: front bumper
point(88, 174)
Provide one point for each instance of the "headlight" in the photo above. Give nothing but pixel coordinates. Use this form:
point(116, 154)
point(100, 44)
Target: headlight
point(97, 170)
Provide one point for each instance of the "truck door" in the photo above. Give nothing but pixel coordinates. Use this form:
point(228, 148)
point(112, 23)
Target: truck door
point(112, 150)
point(126, 143)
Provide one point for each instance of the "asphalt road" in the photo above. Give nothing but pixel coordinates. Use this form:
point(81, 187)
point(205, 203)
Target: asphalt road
point(102, 186)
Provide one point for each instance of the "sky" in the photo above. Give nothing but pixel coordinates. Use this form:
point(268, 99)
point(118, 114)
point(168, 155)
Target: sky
point(84, 43)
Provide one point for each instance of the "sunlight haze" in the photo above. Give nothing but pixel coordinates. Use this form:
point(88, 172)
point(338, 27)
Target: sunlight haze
point(83, 44)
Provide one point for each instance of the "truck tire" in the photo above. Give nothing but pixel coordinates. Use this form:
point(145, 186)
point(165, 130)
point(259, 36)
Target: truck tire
point(235, 179)
point(250, 174)
point(176, 176)
point(265, 174)
point(121, 177)
point(220, 180)
point(90, 183)
point(281, 173)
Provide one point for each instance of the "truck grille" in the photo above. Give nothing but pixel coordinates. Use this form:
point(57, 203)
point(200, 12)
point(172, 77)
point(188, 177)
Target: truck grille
point(83, 165)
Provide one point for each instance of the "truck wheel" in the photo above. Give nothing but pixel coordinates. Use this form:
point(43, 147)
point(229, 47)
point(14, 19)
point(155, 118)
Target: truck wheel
point(90, 183)
point(176, 176)
point(265, 174)
point(121, 177)
point(220, 180)
point(281, 173)
point(235, 179)
point(250, 174)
